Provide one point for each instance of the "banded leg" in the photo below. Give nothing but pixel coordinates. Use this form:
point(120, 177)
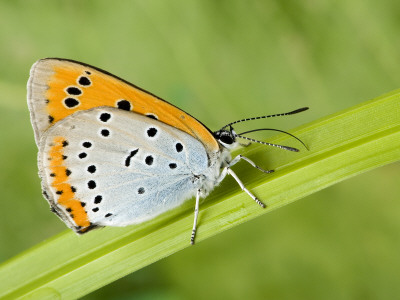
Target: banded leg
point(236, 160)
point(239, 157)
point(196, 214)
point(230, 172)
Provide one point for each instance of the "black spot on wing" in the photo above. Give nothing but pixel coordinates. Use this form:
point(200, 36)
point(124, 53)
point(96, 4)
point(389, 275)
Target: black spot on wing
point(98, 199)
point(151, 132)
point(128, 159)
point(91, 169)
point(149, 160)
point(124, 104)
point(104, 117)
point(71, 102)
point(84, 81)
point(73, 90)
point(105, 132)
point(152, 116)
point(91, 184)
point(179, 147)
point(87, 144)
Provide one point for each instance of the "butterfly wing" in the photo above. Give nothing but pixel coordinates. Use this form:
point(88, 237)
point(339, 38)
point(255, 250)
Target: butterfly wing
point(106, 166)
point(58, 88)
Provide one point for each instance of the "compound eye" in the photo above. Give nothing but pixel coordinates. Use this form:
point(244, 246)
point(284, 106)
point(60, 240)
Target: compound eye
point(226, 139)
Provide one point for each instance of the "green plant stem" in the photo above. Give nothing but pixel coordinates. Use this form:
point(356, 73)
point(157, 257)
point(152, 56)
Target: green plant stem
point(342, 145)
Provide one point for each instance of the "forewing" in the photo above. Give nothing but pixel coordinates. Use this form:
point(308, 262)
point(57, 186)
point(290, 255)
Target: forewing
point(58, 88)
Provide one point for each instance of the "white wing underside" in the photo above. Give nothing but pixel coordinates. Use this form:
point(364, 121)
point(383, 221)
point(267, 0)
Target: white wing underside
point(138, 176)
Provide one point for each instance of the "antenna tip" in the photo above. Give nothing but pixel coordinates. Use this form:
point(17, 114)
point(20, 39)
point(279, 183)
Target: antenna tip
point(291, 149)
point(299, 110)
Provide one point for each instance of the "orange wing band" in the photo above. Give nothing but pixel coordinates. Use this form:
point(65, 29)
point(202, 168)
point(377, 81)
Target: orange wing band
point(74, 87)
point(63, 189)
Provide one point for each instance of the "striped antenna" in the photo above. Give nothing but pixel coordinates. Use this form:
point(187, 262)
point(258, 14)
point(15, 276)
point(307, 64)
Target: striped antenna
point(269, 116)
point(272, 129)
point(268, 144)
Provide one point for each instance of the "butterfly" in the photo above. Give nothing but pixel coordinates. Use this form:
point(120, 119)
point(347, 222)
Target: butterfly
point(113, 154)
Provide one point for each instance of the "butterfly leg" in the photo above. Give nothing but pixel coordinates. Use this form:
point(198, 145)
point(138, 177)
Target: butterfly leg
point(239, 157)
point(233, 174)
point(228, 170)
point(196, 214)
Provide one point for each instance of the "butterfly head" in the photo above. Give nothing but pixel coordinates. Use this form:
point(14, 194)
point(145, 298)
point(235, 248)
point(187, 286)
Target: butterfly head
point(226, 137)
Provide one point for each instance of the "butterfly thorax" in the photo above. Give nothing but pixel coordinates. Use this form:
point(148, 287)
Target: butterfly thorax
point(218, 160)
point(210, 178)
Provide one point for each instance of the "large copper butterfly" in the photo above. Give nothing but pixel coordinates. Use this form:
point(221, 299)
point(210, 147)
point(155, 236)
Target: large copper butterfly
point(112, 154)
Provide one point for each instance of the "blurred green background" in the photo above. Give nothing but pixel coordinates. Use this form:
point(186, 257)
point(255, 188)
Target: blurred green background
point(221, 61)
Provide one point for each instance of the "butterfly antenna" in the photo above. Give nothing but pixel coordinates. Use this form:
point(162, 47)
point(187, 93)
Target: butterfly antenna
point(272, 129)
point(268, 116)
point(268, 144)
